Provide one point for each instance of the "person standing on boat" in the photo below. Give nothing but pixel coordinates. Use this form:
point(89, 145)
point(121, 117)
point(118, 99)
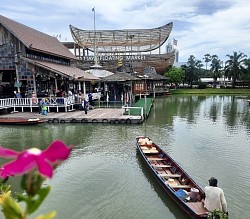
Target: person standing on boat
point(214, 197)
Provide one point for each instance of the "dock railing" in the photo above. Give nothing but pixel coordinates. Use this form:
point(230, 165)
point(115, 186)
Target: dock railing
point(66, 102)
point(107, 104)
point(133, 111)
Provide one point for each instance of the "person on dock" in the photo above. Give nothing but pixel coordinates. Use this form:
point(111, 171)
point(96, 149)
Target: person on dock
point(90, 96)
point(85, 105)
point(17, 94)
point(214, 197)
point(44, 108)
point(34, 98)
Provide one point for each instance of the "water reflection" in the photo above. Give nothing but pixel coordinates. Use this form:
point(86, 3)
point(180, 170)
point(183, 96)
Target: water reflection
point(104, 178)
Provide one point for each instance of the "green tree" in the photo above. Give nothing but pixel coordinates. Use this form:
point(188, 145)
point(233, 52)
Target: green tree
point(247, 73)
point(216, 67)
point(207, 58)
point(192, 70)
point(234, 66)
point(175, 75)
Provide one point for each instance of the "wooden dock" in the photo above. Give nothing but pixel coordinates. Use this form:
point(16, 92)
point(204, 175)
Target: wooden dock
point(98, 115)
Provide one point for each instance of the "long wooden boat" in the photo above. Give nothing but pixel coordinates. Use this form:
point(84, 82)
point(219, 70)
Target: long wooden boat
point(133, 40)
point(20, 121)
point(174, 180)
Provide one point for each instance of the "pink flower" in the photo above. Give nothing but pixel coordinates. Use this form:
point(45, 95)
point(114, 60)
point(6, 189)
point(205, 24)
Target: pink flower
point(28, 159)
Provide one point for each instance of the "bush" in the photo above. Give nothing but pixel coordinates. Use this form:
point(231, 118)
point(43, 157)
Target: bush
point(202, 85)
point(217, 214)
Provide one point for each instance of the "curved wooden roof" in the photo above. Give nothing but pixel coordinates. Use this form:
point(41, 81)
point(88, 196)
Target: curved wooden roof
point(128, 40)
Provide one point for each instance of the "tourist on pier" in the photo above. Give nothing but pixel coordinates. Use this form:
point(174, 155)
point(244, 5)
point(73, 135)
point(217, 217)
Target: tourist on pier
point(214, 197)
point(70, 93)
point(17, 94)
point(85, 105)
point(90, 96)
point(40, 103)
point(33, 98)
point(44, 108)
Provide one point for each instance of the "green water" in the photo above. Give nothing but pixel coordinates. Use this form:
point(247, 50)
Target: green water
point(106, 178)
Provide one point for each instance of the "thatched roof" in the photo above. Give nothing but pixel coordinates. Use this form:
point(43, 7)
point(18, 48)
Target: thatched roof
point(120, 77)
point(128, 40)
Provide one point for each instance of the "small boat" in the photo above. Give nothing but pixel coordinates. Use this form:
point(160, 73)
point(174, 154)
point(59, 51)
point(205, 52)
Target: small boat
point(20, 121)
point(174, 180)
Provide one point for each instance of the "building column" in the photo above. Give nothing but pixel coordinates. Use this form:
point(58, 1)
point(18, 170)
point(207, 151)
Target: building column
point(84, 89)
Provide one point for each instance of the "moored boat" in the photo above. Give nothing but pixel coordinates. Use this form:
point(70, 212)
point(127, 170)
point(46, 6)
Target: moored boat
point(174, 180)
point(20, 121)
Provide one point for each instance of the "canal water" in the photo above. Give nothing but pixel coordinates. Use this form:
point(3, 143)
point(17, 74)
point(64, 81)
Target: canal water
point(106, 178)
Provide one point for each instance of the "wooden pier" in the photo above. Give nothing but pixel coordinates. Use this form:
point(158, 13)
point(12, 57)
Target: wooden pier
point(98, 115)
point(125, 114)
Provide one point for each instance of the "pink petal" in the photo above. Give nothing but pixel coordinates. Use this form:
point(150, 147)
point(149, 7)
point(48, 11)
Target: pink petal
point(57, 151)
point(44, 167)
point(24, 163)
point(8, 153)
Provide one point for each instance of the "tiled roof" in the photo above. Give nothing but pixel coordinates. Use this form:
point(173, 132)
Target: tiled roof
point(36, 40)
point(64, 70)
point(122, 77)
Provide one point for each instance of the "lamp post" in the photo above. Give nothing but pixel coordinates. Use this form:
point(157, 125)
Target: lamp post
point(131, 38)
point(17, 56)
point(145, 94)
point(95, 55)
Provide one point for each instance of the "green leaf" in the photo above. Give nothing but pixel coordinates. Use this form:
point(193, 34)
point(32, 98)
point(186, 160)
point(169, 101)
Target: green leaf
point(49, 215)
point(34, 202)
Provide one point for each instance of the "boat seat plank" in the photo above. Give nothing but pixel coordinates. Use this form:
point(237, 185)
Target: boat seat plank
point(156, 158)
point(160, 165)
point(150, 151)
point(198, 208)
point(170, 175)
point(181, 186)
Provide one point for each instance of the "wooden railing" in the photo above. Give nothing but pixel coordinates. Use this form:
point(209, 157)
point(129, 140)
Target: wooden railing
point(127, 109)
point(16, 103)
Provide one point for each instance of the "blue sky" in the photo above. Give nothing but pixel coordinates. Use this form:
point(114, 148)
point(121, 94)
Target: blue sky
point(215, 27)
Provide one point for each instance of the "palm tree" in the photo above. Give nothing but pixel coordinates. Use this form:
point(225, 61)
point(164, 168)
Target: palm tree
point(207, 58)
point(216, 67)
point(234, 66)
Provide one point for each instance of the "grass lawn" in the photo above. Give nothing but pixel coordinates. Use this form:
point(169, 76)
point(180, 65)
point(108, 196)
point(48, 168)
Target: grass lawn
point(211, 91)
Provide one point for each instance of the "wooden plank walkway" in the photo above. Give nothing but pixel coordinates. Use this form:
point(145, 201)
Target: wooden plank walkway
point(141, 103)
point(98, 115)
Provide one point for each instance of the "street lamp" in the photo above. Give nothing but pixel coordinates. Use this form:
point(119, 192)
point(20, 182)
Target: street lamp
point(17, 57)
point(145, 94)
point(131, 37)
